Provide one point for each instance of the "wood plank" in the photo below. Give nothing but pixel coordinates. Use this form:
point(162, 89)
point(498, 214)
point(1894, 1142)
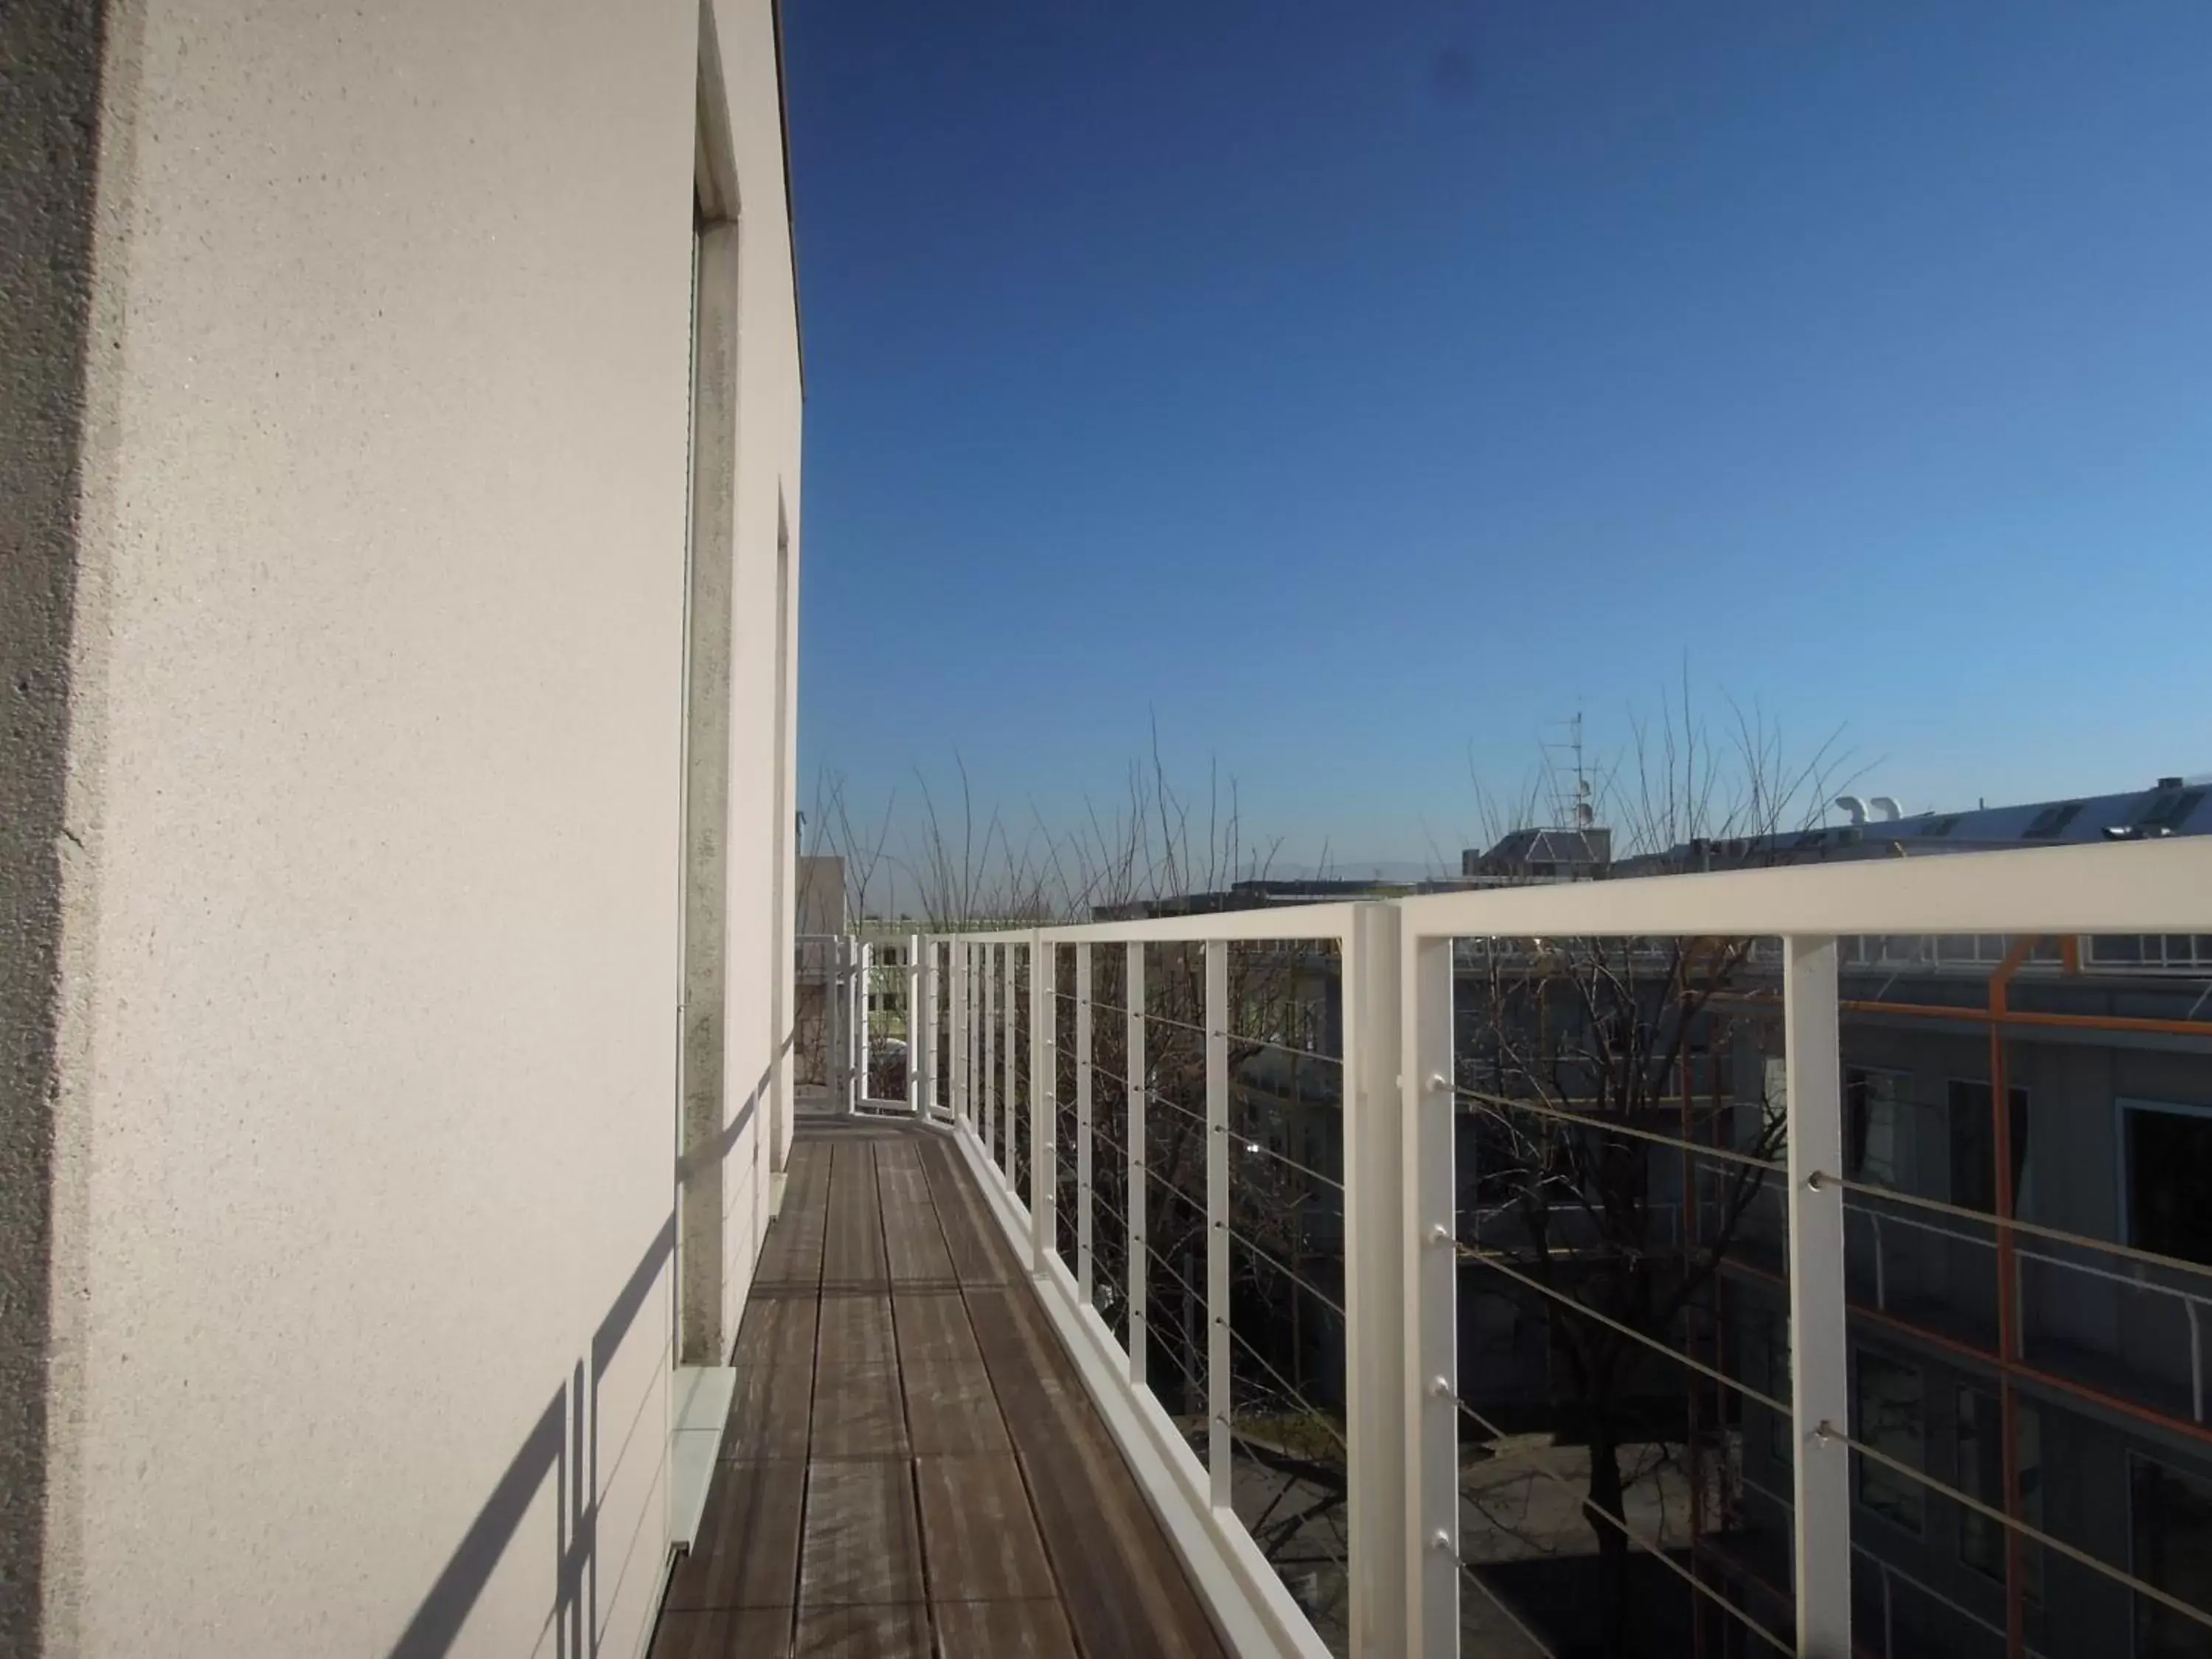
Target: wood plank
point(959, 1215)
point(771, 1414)
point(756, 1633)
point(895, 1632)
point(856, 1331)
point(1123, 1586)
point(861, 1544)
point(853, 1254)
point(913, 1240)
point(776, 1331)
point(933, 1329)
point(1003, 1630)
point(952, 1411)
point(1026, 1370)
point(747, 1553)
point(976, 1531)
point(859, 1412)
point(791, 1253)
point(1121, 1582)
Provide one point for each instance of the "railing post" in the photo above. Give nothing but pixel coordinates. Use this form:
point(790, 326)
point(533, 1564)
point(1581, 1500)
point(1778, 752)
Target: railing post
point(1135, 1095)
point(856, 1028)
point(1044, 1100)
point(1378, 1430)
point(1083, 1205)
point(917, 1097)
point(1430, 1240)
point(955, 1029)
point(1216, 1217)
point(1009, 1048)
point(1820, 1393)
point(986, 1053)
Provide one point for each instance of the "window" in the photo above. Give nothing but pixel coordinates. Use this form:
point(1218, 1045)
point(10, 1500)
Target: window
point(2168, 812)
point(2051, 821)
point(1942, 826)
point(1767, 1368)
point(2169, 1180)
point(1973, 1146)
point(1873, 1128)
point(1889, 1413)
point(1981, 1474)
point(2170, 1545)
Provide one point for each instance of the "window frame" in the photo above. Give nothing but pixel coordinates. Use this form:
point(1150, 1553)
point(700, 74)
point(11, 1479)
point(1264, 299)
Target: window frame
point(1860, 1355)
point(2125, 1163)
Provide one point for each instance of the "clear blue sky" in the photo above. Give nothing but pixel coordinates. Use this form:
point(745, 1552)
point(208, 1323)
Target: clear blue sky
point(1356, 388)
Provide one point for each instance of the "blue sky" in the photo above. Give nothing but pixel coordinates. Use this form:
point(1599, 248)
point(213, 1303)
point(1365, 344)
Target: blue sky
point(1354, 390)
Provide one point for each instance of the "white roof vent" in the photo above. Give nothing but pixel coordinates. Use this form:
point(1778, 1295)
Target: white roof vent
point(1885, 809)
point(1852, 805)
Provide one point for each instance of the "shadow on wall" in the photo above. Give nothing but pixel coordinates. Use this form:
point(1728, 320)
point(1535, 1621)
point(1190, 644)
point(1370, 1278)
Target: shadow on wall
point(564, 1444)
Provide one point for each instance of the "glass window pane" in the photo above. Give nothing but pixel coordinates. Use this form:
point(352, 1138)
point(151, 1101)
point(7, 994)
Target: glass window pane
point(2171, 1546)
point(1889, 1414)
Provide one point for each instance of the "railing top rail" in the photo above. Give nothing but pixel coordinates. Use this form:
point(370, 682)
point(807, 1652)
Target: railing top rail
point(2125, 887)
point(1285, 921)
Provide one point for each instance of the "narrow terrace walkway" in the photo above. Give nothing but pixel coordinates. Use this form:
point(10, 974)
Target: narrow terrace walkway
point(912, 1466)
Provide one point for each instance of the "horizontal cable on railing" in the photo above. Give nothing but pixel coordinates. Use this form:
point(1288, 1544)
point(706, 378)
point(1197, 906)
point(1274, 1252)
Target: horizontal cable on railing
point(1180, 1025)
point(1238, 1338)
point(2125, 1281)
point(1590, 1507)
point(1285, 1049)
point(2118, 1575)
point(1266, 1150)
point(1189, 1290)
point(1490, 1259)
point(1888, 1569)
point(1607, 1126)
point(1310, 1288)
point(1155, 1097)
point(1328, 1555)
point(1502, 1605)
point(2013, 1224)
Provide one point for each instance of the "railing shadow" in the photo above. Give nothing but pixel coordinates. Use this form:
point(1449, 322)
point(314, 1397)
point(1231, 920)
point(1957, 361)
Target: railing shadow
point(563, 1444)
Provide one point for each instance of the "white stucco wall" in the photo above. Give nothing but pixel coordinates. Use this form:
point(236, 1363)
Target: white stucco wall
point(368, 1087)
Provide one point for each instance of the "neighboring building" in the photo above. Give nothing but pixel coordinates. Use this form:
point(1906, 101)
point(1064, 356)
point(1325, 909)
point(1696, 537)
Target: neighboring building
point(1542, 854)
point(2102, 1051)
point(398, 576)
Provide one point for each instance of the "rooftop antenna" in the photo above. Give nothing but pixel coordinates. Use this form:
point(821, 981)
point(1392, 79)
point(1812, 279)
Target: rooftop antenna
point(1578, 808)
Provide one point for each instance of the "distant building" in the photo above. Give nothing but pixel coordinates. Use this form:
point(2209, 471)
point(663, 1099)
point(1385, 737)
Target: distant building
point(1550, 855)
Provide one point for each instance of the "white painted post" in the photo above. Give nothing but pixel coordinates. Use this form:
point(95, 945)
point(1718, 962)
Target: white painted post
point(1136, 1094)
point(917, 1097)
point(987, 1130)
point(1378, 1427)
point(1083, 1205)
point(1044, 1101)
point(1819, 1390)
point(856, 1028)
point(1011, 1036)
point(956, 1028)
point(1431, 1241)
point(1217, 1216)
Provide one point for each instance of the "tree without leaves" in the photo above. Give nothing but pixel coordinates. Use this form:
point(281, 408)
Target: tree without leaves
point(1565, 1047)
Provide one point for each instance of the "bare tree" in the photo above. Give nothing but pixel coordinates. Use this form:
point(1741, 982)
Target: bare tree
point(1613, 1166)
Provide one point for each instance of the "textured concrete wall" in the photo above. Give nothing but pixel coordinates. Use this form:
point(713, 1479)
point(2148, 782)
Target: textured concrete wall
point(49, 61)
point(366, 1105)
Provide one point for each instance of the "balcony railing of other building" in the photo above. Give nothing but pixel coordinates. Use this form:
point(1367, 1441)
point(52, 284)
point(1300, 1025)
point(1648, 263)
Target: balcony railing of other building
point(1326, 1201)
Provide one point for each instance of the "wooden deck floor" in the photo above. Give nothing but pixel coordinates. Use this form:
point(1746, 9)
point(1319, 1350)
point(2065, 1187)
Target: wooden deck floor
point(912, 1468)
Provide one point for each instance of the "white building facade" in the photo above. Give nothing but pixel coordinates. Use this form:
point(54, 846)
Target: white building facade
point(401, 570)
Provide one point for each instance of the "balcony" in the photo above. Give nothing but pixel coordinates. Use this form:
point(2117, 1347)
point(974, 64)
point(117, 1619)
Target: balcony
point(1324, 1284)
point(908, 1450)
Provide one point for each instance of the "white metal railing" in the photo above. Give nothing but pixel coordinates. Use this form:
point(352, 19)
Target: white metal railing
point(985, 1004)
